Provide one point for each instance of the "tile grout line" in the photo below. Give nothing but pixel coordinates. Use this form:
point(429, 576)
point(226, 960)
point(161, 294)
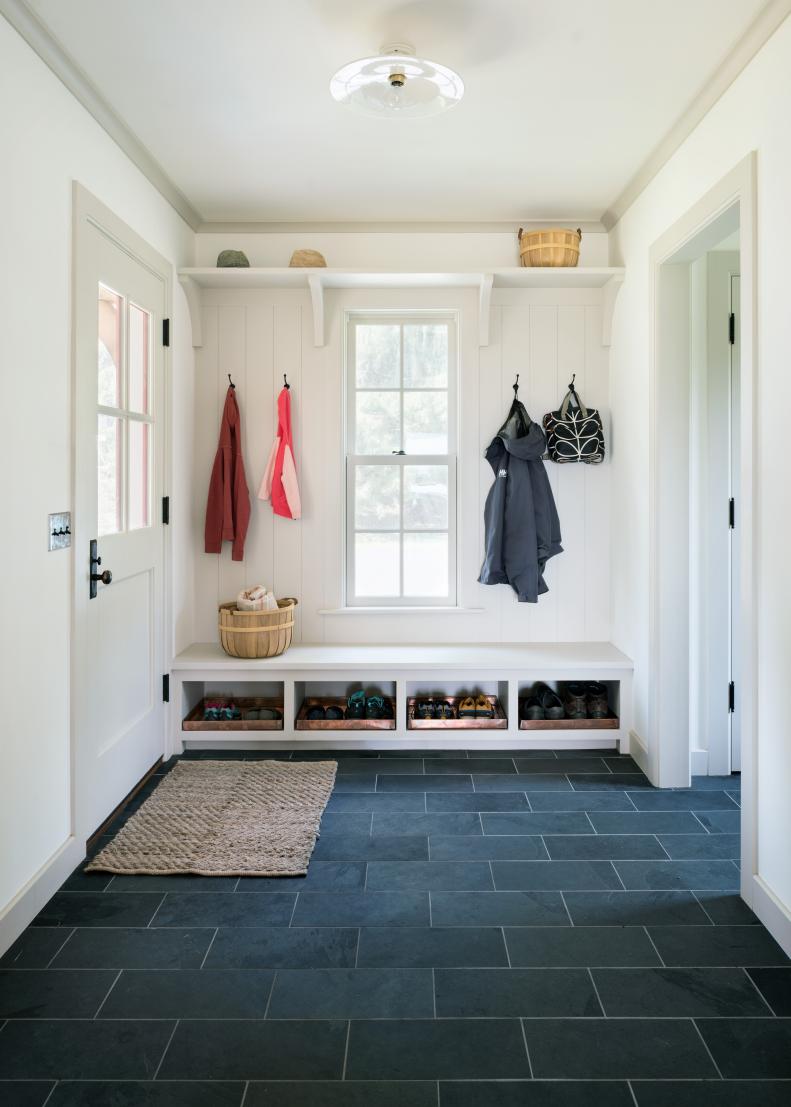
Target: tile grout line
point(271, 993)
point(346, 1050)
point(566, 907)
point(107, 996)
point(632, 1093)
point(705, 1046)
point(656, 948)
point(527, 1050)
point(70, 935)
point(758, 990)
point(590, 820)
point(208, 947)
point(700, 905)
point(505, 943)
point(694, 816)
point(596, 990)
point(51, 1093)
point(659, 843)
point(244, 1093)
point(434, 988)
point(357, 945)
point(294, 909)
point(167, 1047)
point(157, 909)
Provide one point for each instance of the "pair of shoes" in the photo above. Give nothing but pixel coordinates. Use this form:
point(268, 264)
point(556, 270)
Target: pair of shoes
point(360, 706)
point(434, 709)
point(319, 711)
point(216, 710)
point(585, 699)
point(476, 707)
point(265, 713)
point(542, 703)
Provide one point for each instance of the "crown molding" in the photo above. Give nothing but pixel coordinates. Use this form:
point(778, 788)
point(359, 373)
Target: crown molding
point(757, 35)
point(27, 24)
point(587, 226)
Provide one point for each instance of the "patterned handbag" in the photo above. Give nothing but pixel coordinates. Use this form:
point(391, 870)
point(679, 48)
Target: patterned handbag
point(574, 432)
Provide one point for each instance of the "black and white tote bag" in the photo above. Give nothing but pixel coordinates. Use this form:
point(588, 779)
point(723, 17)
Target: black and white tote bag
point(574, 432)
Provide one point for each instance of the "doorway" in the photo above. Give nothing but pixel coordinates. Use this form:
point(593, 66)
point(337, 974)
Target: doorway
point(121, 295)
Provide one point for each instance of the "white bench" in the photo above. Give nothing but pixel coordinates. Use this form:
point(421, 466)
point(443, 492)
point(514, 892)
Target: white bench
point(505, 670)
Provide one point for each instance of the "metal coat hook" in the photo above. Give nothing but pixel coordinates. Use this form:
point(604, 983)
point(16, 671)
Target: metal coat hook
point(285, 382)
point(515, 386)
point(573, 378)
point(230, 382)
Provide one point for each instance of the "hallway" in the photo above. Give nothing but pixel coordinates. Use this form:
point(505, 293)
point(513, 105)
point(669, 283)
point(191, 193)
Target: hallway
point(470, 922)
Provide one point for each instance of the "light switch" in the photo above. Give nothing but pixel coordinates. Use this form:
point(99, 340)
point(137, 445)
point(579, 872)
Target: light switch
point(60, 530)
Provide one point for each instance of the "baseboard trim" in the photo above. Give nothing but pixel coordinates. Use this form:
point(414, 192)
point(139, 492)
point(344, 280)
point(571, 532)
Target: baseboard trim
point(775, 916)
point(699, 762)
point(639, 751)
point(27, 903)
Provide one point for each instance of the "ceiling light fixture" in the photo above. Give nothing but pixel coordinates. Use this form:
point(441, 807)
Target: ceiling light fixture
point(397, 84)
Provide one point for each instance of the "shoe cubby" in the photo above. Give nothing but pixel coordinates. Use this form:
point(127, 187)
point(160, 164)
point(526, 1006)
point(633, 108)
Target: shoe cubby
point(454, 694)
point(611, 721)
point(314, 696)
point(247, 698)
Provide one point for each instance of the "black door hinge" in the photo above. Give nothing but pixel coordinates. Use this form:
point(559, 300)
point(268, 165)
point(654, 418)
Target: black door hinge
point(731, 328)
point(166, 332)
point(731, 513)
point(166, 688)
point(731, 697)
point(166, 510)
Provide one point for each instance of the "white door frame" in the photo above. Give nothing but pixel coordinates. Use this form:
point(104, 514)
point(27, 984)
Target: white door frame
point(667, 759)
point(88, 211)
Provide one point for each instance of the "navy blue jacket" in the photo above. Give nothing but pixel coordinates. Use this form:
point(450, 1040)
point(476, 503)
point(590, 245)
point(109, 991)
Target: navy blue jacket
point(522, 525)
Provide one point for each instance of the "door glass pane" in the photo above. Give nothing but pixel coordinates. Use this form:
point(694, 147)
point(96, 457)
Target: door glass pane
point(425, 497)
point(139, 329)
point(426, 565)
point(377, 355)
point(426, 422)
point(426, 355)
point(376, 569)
point(376, 497)
point(139, 468)
point(378, 423)
point(109, 363)
point(108, 463)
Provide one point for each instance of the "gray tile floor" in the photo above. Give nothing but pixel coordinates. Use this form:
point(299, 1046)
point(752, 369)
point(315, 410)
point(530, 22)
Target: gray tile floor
point(475, 930)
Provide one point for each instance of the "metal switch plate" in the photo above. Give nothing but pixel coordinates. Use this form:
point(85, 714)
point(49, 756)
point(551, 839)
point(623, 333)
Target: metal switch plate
point(60, 530)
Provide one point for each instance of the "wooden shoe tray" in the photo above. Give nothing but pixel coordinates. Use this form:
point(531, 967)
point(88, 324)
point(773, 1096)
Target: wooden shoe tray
point(499, 722)
point(195, 720)
point(612, 722)
point(304, 723)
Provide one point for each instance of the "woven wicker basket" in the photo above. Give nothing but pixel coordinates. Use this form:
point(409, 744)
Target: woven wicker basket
point(256, 633)
point(553, 247)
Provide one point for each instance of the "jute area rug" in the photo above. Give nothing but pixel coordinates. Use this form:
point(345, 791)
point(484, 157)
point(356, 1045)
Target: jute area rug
point(225, 818)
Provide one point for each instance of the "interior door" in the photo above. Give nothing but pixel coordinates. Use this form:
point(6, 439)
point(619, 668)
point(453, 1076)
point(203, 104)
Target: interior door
point(736, 754)
point(118, 715)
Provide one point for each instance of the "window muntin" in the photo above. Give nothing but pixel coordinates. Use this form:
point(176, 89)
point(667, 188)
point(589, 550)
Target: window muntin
point(401, 464)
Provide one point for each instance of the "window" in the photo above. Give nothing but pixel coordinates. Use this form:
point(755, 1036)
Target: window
point(124, 420)
point(400, 461)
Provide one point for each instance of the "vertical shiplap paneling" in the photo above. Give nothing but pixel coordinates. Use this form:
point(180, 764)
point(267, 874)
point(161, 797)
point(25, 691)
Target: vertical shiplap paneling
point(568, 569)
point(288, 360)
point(261, 425)
point(231, 349)
point(333, 481)
point(207, 431)
point(313, 465)
point(597, 489)
point(490, 417)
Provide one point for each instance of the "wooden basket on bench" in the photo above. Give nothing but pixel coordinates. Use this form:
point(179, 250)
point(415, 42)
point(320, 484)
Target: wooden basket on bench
point(253, 634)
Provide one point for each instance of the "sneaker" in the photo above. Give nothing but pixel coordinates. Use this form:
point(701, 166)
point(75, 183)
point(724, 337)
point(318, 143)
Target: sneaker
point(445, 710)
point(355, 705)
point(425, 709)
point(575, 699)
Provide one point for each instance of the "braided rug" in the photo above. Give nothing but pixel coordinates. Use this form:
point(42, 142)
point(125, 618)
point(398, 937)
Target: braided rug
point(225, 818)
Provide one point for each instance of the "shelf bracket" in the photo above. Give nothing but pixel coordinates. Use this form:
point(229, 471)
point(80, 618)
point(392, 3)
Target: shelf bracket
point(192, 293)
point(484, 308)
point(316, 287)
point(609, 296)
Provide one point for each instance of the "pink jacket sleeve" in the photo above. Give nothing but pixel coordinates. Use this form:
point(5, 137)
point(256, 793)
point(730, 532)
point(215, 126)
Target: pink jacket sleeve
point(290, 486)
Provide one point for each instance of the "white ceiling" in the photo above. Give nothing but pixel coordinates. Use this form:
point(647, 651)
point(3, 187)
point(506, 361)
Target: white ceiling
point(565, 99)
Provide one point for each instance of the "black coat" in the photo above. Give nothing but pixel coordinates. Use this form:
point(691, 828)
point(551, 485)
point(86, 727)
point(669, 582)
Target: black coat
point(522, 525)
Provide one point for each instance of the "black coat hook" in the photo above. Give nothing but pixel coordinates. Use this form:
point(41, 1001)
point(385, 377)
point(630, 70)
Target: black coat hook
point(573, 378)
point(285, 382)
point(515, 386)
point(230, 382)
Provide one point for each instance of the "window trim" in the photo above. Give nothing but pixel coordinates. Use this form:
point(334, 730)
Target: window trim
point(352, 461)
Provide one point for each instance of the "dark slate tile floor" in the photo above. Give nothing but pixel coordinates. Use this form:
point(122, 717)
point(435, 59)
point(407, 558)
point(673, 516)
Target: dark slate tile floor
point(476, 930)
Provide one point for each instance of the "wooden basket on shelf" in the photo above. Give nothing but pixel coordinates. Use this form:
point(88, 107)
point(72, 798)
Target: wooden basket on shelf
point(553, 247)
point(257, 633)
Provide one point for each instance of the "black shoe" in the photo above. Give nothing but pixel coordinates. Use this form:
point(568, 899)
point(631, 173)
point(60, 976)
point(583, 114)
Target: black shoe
point(425, 709)
point(549, 701)
point(531, 709)
point(316, 712)
point(575, 699)
point(598, 707)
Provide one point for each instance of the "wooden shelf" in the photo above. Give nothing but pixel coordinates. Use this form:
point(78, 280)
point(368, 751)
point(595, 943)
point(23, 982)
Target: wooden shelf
point(316, 281)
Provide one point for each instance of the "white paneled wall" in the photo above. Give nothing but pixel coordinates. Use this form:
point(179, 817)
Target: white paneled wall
point(258, 335)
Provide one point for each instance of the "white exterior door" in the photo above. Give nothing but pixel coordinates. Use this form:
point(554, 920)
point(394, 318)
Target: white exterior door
point(120, 300)
point(735, 569)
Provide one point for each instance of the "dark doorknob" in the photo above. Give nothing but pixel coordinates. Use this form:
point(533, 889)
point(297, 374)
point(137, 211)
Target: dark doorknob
point(106, 577)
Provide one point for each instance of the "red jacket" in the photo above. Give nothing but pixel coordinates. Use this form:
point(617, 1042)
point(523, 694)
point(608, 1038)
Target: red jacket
point(228, 504)
point(280, 478)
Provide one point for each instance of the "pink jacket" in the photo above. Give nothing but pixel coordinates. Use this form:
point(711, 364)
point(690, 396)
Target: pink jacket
point(280, 478)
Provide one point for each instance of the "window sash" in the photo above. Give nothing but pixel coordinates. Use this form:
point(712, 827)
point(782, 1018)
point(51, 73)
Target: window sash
point(354, 461)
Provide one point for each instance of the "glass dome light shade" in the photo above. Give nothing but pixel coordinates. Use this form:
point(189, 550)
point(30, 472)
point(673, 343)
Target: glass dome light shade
point(397, 85)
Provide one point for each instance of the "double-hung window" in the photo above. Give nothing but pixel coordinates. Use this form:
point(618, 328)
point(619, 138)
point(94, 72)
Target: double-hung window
point(401, 460)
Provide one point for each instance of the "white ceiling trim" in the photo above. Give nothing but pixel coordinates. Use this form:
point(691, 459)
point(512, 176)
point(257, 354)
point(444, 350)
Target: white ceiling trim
point(35, 34)
point(756, 36)
point(501, 227)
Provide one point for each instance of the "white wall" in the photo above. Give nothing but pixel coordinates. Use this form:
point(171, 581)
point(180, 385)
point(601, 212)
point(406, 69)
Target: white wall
point(46, 141)
point(545, 335)
point(752, 115)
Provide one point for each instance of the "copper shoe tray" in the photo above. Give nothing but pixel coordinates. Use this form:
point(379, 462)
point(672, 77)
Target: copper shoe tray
point(612, 722)
point(499, 722)
point(304, 723)
point(195, 720)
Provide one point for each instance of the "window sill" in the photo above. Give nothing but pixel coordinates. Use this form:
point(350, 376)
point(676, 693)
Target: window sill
point(426, 610)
